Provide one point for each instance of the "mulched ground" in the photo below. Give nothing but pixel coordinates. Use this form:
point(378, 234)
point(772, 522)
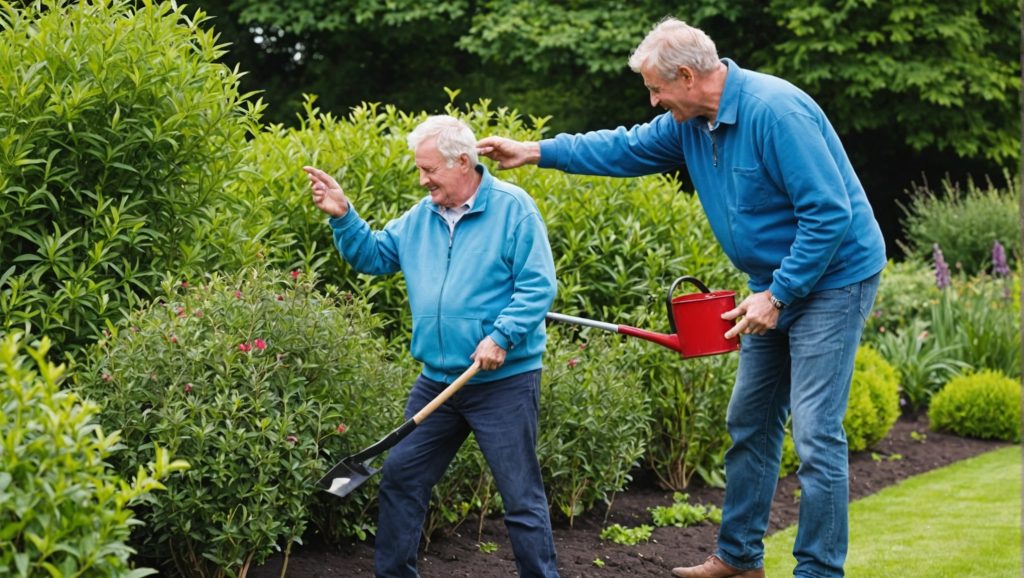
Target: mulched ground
point(896, 457)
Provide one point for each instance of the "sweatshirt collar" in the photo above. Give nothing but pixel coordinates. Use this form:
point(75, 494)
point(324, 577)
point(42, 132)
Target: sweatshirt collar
point(729, 104)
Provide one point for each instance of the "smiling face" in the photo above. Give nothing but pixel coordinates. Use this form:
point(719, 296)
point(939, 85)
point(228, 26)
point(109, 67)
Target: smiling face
point(449, 186)
point(674, 96)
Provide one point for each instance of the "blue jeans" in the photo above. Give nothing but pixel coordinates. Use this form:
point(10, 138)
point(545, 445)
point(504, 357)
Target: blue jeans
point(803, 367)
point(502, 415)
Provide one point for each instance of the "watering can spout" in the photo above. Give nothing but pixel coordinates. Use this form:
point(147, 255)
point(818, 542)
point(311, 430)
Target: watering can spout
point(669, 341)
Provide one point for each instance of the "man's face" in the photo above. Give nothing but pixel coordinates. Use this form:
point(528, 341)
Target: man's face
point(448, 186)
point(671, 95)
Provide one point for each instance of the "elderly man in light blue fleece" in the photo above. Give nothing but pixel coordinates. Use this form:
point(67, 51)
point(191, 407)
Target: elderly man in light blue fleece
point(480, 277)
point(784, 202)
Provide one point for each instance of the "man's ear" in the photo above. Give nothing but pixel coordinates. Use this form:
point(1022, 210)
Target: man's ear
point(686, 74)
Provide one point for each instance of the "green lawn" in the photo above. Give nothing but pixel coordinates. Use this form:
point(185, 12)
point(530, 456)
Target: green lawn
point(961, 521)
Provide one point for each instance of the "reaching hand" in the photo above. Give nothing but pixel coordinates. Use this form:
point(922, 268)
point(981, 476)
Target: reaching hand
point(509, 153)
point(327, 193)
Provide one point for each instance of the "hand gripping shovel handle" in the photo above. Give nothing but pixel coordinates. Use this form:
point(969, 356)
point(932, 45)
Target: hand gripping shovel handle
point(352, 471)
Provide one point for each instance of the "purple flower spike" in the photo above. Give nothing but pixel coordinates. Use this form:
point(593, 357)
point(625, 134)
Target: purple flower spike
point(999, 266)
point(942, 278)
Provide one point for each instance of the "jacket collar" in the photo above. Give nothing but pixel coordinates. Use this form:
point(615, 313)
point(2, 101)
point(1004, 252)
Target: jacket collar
point(729, 104)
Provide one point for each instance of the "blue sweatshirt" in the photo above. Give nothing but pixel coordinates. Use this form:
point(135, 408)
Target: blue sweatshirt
point(778, 189)
point(493, 276)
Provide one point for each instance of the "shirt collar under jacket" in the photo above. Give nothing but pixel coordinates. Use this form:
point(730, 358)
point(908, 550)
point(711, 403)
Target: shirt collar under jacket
point(478, 201)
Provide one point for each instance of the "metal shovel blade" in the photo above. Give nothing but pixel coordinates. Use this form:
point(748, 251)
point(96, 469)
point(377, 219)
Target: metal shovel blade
point(345, 477)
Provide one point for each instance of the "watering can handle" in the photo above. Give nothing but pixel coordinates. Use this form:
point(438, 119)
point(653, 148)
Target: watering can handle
point(668, 301)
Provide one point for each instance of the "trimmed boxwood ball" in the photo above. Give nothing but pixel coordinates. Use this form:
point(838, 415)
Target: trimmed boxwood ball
point(874, 404)
point(873, 408)
point(984, 405)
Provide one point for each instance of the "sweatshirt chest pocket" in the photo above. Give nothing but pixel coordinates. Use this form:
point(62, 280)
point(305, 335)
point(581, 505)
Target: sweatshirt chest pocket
point(754, 191)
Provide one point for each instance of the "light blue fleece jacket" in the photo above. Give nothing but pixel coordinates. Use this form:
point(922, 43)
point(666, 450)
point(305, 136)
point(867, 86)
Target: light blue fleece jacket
point(493, 276)
point(778, 189)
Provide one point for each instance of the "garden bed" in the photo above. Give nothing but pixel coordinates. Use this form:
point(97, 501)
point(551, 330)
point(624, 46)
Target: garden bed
point(909, 449)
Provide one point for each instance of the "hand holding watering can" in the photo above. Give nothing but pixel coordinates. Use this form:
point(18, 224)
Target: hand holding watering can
point(758, 312)
point(702, 323)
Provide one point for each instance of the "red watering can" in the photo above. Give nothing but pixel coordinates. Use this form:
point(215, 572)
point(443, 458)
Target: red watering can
point(695, 320)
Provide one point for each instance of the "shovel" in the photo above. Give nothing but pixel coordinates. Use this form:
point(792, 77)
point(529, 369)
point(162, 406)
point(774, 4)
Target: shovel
point(351, 472)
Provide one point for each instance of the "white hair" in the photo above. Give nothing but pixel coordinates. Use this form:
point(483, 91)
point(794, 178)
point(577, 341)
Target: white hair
point(673, 43)
point(454, 138)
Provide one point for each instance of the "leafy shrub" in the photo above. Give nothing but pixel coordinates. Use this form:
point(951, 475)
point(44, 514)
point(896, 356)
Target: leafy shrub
point(985, 404)
point(118, 134)
point(688, 404)
point(594, 426)
point(63, 511)
point(261, 382)
point(874, 403)
point(964, 223)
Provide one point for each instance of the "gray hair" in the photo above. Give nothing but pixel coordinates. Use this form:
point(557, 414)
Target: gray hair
point(673, 43)
point(454, 138)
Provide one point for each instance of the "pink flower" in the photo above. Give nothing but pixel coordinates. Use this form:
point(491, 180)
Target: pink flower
point(280, 297)
point(342, 428)
point(260, 344)
point(292, 439)
point(296, 273)
point(184, 284)
point(106, 377)
point(238, 294)
point(174, 339)
point(180, 311)
point(244, 347)
point(188, 387)
point(573, 362)
point(199, 313)
point(583, 345)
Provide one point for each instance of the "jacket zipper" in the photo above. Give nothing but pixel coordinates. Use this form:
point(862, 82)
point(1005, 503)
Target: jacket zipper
point(444, 283)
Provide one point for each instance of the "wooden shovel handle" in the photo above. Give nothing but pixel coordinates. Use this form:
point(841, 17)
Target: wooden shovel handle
point(446, 393)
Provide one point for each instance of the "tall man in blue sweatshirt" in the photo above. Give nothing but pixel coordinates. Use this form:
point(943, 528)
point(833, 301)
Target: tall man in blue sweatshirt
point(480, 278)
point(784, 202)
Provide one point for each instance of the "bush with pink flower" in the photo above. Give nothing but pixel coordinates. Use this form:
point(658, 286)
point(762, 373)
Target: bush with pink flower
point(261, 394)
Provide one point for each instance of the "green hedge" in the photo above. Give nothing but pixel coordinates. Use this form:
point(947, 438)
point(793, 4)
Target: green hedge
point(118, 133)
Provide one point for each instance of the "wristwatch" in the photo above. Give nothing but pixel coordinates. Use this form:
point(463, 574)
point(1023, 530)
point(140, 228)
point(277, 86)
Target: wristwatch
point(778, 304)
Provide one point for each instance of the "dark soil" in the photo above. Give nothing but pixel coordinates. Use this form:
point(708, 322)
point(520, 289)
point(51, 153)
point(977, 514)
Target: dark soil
point(909, 449)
